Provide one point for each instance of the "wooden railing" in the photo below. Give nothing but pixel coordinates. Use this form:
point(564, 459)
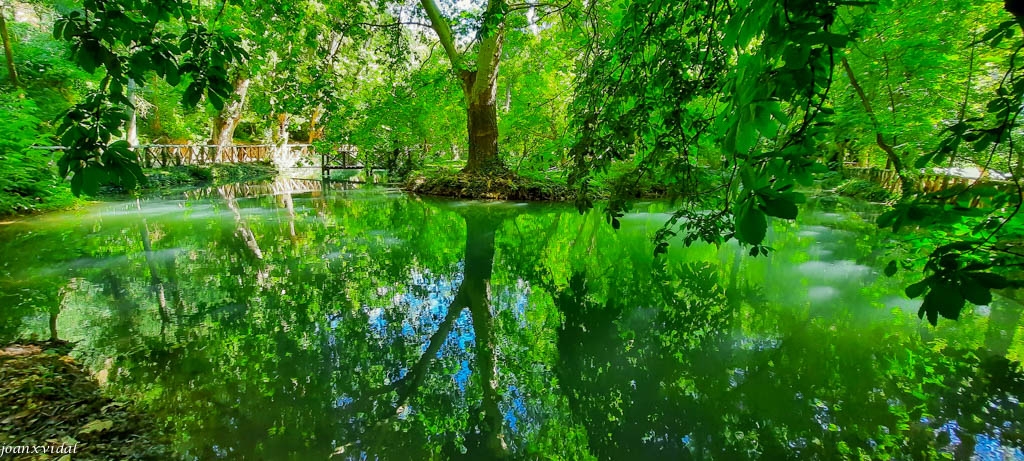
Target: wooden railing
point(341, 159)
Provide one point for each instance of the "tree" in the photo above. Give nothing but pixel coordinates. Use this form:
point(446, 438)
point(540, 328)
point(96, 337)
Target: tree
point(890, 153)
point(168, 39)
point(676, 83)
point(479, 81)
point(12, 71)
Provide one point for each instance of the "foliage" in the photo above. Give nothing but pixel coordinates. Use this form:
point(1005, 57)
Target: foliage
point(673, 86)
point(27, 181)
point(866, 190)
point(168, 39)
point(981, 225)
point(194, 175)
point(664, 105)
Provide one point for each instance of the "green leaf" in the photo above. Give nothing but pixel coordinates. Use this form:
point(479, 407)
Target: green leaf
point(975, 292)
point(76, 183)
point(193, 93)
point(172, 76)
point(746, 137)
point(888, 219)
point(215, 100)
point(751, 225)
point(990, 280)
point(92, 178)
point(917, 289)
point(945, 298)
point(891, 269)
point(764, 123)
point(780, 207)
point(923, 160)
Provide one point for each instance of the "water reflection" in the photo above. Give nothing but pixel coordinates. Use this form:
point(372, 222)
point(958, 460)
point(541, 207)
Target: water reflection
point(267, 324)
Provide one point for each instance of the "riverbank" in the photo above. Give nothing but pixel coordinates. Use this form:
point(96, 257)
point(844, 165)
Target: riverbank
point(48, 400)
point(505, 186)
point(171, 179)
point(160, 181)
point(862, 189)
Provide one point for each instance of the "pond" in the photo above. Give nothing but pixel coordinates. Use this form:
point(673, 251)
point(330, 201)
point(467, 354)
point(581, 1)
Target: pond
point(290, 322)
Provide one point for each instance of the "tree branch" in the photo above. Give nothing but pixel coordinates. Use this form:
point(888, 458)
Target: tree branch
point(444, 33)
point(488, 58)
point(392, 25)
point(524, 6)
point(906, 184)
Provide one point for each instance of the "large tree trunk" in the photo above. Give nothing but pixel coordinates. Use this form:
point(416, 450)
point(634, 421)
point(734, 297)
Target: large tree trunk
point(479, 86)
point(483, 138)
point(482, 118)
point(12, 72)
point(226, 121)
point(479, 263)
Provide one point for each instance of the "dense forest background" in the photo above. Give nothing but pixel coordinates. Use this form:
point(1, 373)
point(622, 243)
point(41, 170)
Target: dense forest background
point(733, 108)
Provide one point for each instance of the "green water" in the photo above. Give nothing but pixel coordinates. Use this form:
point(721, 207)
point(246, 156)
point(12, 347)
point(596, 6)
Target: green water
point(255, 324)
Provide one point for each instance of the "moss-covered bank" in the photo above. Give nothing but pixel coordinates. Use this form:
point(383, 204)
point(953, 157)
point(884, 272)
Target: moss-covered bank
point(48, 400)
point(506, 185)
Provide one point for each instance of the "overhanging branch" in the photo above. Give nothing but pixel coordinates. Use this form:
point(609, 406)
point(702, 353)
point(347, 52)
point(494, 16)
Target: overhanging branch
point(444, 33)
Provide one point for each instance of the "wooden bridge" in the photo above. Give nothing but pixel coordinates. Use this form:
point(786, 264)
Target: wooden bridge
point(343, 158)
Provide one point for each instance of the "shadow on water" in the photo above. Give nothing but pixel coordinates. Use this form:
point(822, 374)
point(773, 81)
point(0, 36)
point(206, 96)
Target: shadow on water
point(277, 324)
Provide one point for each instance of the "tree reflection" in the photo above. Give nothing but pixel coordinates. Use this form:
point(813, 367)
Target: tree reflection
point(386, 327)
point(484, 436)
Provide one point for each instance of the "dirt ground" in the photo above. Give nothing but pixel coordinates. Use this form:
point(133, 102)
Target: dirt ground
point(48, 400)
